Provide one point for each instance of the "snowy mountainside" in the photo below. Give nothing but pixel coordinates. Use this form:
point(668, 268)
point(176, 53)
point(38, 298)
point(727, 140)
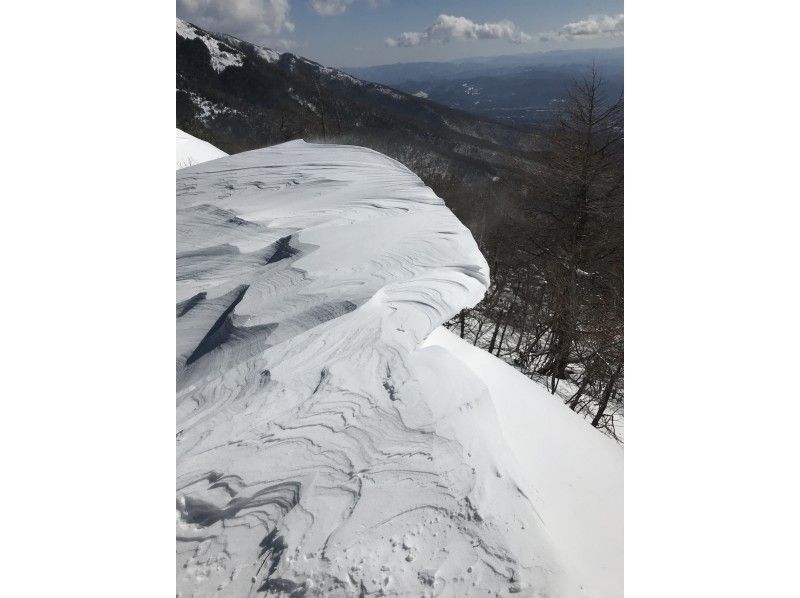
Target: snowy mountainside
point(190, 150)
point(240, 96)
point(323, 448)
point(222, 55)
point(217, 66)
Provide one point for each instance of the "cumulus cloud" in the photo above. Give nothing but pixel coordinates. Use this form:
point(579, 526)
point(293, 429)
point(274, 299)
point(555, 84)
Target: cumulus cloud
point(447, 28)
point(594, 26)
point(254, 20)
point(329, 8)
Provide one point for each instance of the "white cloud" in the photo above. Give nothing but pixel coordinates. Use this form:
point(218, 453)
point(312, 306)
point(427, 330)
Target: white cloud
point(328, 8)
point(594, 26)
point(254, 20)
point(447, 28)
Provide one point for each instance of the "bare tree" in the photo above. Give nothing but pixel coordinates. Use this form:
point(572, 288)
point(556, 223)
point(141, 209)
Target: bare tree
point(555, 308)
point(584, 186)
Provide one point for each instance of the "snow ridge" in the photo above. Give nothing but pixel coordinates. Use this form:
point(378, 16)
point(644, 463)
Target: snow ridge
point(322, 451)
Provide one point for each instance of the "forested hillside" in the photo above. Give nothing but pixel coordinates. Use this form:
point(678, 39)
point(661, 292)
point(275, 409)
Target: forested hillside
point(555, 309)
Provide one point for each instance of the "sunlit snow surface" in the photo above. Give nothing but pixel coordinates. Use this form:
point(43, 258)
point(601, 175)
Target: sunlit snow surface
point(572, 473)
point(321, 451)
point(190, 150)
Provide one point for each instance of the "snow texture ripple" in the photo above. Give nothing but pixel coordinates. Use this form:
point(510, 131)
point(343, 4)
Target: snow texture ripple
point(322, 450)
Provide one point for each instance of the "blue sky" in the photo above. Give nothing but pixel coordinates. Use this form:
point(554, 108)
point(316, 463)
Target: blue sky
point(367, 32)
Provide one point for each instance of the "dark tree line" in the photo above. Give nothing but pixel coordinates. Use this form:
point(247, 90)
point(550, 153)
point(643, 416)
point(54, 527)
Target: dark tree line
point(555, 308)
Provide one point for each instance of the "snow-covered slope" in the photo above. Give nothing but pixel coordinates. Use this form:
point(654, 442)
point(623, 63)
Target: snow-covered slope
point(572, 473)
point(323, 450)
point(191, 150)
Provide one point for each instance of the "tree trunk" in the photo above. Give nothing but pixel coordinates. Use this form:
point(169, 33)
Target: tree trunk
point(478, 333)
point(502, 336)
point(494, 335)
point(607, 392)
point(577, 396)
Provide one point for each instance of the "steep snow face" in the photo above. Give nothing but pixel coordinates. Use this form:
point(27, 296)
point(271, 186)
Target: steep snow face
point(222, 55)
point(321, 449)
point(190, 150)
point(572, 473)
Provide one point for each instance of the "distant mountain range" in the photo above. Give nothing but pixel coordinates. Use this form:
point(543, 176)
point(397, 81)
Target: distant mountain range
point(517, 88)
point(239, 96)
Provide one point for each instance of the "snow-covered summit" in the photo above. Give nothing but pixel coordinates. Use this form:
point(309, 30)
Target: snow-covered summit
point(323, 449)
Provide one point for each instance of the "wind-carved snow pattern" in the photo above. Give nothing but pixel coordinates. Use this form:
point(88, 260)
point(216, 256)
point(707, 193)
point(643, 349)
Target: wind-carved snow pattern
point(321, 450)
